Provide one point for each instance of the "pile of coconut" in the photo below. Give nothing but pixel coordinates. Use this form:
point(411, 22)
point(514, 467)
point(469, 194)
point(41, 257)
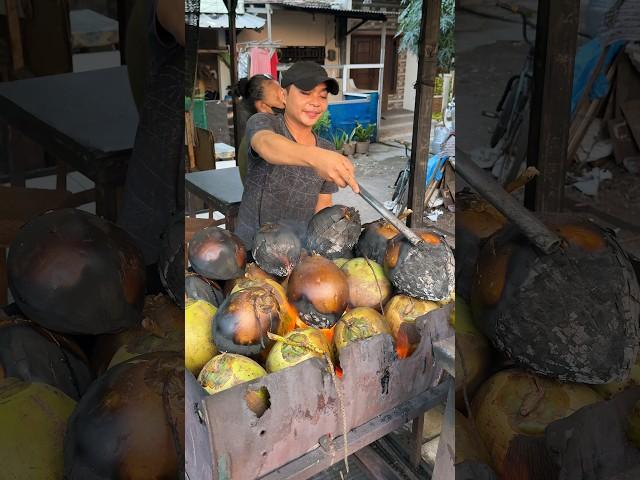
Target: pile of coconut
point(304, 297)
point(91, 367)
point(523, 397)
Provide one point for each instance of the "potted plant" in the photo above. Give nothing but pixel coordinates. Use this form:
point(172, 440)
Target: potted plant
point(362, 136)
point(322, 126)
point(349, 146)
point(339, 139)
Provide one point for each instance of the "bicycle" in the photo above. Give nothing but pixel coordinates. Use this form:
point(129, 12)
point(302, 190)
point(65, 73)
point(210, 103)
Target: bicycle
point(509, 138)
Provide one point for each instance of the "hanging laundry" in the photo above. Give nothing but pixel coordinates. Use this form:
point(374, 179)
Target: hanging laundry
point(243, 64)
point(274, 64)
point(260, 60)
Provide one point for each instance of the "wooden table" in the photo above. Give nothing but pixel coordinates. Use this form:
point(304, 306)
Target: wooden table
point(220, 189)
point(91, 30)
point(86, 121)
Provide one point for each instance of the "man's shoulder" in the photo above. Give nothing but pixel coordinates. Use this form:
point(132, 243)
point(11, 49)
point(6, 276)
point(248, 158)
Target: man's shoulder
point(259, 121)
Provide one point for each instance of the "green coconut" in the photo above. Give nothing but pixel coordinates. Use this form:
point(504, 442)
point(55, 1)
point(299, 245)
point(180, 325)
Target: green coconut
point(359, 324)
point(228, 370)
point(199, 346)
point(512, 410)
point(33, 418)
point(368, 285)
point(284, 355)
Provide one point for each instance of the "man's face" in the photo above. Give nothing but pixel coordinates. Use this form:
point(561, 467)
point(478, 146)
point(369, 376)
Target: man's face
point(306, 107)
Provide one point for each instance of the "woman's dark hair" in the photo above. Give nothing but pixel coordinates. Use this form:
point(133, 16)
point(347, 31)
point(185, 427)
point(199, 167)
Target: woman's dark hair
point(251, 90)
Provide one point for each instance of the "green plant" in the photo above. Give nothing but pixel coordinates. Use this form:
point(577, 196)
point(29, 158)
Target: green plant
point(339, 139)
point(361, 133)
point(409, 28)
point(437, 89)
point(323, 124)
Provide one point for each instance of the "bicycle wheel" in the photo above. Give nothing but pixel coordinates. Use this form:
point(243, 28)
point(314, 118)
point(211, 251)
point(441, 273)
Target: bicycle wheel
point(503, 119)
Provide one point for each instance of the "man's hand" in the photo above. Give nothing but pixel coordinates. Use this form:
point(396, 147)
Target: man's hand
point(335, 167)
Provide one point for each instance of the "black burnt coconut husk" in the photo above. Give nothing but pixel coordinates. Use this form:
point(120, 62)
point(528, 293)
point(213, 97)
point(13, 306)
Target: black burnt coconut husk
point(171, 260)
point(197, 287)
point(571, 315)
point(73, 272)
point(217, 254)
point(243, 320)
point(276, 249)
point(425, 271)
point(374, 239)
point(333, 232)
point(319, 290)
point(33, 354)
point(131, 420)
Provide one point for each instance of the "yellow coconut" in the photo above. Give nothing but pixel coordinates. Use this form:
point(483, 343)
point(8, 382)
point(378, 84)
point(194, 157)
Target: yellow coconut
point(469, 446)
point(228, 370)
point(33, 419)
point(284, 355)
point(473, 353)
point(608, 390)
point(199, 346)
point(401, 313)
point(368, 286)
point(358, 324)
point(513, 407)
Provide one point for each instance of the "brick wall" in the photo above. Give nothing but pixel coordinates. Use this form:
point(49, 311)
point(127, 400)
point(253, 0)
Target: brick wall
point(396, 100)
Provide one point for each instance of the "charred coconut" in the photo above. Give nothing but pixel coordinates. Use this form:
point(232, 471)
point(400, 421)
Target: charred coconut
point(73, 272)
point(33, 354)
point(374, 239)
point(197, 287)
point(319, 290)
point(130, 420)
point(276, 249)
point(217, 254)
point(570, 315)
point(425, 271)
point(333, 232)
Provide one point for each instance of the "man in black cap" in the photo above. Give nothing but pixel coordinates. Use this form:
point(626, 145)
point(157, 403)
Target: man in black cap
point(291, 172)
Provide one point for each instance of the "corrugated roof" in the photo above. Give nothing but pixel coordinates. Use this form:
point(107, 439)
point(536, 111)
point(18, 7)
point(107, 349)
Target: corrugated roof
point(339, 12)
point(244, 20)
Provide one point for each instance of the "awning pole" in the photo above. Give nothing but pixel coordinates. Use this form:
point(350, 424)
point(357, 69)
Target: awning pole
point(383, 38)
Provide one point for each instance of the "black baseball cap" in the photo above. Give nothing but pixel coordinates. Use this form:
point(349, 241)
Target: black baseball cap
point(306, 75)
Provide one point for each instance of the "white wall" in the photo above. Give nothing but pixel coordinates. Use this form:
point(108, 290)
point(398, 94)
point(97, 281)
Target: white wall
point(410, 77)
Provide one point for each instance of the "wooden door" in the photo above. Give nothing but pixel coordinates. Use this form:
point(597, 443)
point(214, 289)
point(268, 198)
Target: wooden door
point(366, 49)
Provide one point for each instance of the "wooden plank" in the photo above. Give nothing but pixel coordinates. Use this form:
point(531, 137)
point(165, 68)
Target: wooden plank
point(318, 459)
point(15, 35)
point(313, 409)
point(444, 469)
point(376, 467)
point(556, 37)
point(623, 144)
point(415, 445)
point(427, 66)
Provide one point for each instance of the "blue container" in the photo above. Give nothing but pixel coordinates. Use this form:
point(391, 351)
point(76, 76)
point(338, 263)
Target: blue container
point(362, 108)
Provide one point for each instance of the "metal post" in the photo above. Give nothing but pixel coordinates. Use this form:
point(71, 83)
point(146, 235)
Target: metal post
point(383, 38)
point(427, 56)
point(345, 70)
point(269, 21)
point(556, 37)
point(231, 8)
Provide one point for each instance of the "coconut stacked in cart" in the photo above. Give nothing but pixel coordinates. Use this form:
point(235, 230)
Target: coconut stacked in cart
point(304, 297)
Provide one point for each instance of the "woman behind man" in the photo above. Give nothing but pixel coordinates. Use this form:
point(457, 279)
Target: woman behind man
point(260, 94)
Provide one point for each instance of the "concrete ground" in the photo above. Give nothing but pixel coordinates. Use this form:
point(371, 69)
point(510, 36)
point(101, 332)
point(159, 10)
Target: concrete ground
point(488, 52)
